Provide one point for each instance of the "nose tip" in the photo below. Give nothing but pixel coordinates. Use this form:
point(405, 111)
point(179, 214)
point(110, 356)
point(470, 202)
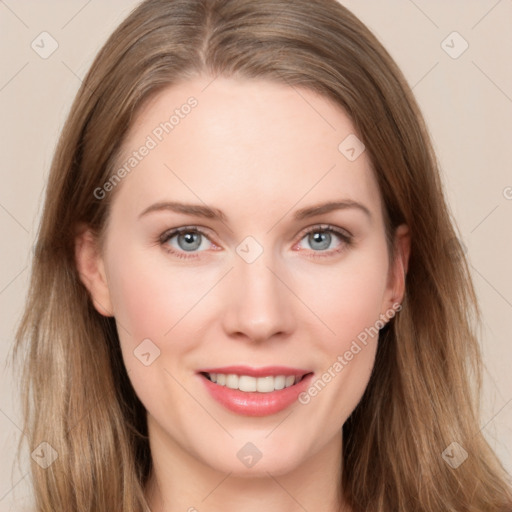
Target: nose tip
point(258, 305)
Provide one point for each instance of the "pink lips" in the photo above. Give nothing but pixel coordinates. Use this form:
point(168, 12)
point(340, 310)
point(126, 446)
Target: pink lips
point(255, 403)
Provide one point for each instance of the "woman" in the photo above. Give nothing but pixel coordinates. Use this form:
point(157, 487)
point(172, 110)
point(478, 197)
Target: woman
point(247, 291)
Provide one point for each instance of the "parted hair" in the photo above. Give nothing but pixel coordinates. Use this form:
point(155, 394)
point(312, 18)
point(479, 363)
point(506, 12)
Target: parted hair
point(424, 391)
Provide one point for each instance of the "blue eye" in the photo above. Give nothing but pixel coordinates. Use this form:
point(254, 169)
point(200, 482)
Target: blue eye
point(189, 242)
point(321, 238)
point(185, 240)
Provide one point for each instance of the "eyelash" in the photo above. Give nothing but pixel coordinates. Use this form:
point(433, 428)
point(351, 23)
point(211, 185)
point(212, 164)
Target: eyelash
point(346, 239)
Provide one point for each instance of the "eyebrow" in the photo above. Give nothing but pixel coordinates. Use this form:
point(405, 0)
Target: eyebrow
point(319, 209)
point(216, 214)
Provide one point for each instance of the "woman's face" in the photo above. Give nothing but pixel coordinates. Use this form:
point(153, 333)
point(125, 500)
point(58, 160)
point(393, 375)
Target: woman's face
point(263, 278)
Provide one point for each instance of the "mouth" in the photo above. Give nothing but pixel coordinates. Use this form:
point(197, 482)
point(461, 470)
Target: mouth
point(250, 384)
point(255, 391)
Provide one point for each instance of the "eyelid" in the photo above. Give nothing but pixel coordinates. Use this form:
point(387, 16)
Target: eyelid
point(325, 227)
point(169, 233)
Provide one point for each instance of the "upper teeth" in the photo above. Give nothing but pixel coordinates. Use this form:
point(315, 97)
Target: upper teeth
point(248, 383)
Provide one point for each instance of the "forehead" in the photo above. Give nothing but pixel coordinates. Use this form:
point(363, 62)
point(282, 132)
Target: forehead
point(251, 144)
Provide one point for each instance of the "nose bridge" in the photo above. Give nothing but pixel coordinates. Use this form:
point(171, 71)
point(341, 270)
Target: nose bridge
point(259, 305)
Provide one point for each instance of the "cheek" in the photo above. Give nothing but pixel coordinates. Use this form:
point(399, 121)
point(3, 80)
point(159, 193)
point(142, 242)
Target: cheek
point(350, 307)
point(347, 298)
point(149, 300)
point(150, 297)
point(138, 304)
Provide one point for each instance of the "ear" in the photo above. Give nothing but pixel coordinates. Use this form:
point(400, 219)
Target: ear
point(91, 269)
point(398, 268)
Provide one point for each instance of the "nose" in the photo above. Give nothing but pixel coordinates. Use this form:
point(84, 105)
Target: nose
point(258, 303)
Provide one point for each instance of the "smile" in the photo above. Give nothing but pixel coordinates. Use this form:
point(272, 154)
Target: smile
point(255, 392)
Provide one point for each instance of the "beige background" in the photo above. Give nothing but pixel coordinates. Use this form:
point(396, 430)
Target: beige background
point(467, 102)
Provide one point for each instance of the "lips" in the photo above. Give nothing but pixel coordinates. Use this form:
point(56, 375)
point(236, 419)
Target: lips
point(255, 391)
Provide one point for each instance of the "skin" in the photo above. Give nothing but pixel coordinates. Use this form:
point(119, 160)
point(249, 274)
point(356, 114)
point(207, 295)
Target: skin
point(258, 151)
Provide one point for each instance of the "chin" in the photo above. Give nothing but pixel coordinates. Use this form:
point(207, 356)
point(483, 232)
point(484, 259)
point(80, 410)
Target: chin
point(249, 461)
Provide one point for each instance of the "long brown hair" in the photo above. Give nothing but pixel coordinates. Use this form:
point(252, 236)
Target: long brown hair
point(425, 389)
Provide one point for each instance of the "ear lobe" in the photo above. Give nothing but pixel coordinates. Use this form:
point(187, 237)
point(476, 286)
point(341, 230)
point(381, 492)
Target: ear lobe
point(91, 270)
